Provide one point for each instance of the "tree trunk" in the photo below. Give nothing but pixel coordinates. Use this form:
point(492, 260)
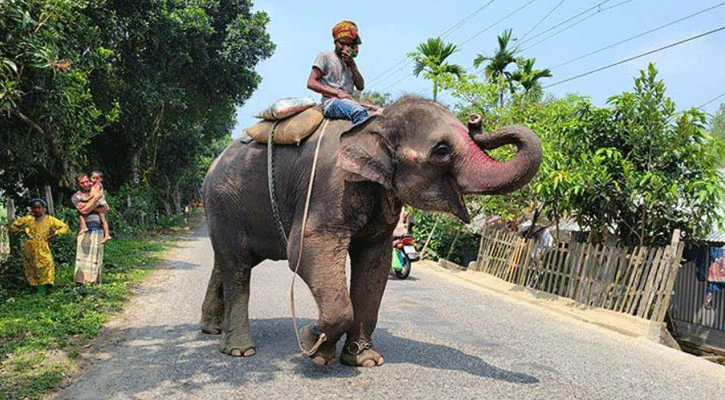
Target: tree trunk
point(135, 174)
point(177, 198)
point(11, 209)
point(166, 196)
point(453, 243)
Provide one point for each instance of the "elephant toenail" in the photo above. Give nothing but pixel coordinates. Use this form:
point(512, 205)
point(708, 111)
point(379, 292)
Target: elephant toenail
point(236, 353)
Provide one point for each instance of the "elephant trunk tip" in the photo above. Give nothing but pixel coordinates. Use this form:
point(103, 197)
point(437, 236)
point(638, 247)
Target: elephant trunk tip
point(474, 124)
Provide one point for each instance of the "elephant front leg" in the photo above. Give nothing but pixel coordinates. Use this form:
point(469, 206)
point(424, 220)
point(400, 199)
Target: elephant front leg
point(322, 267)
point(370, 266)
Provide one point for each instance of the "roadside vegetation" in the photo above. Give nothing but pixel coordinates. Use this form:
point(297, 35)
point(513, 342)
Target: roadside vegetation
point(41, 337)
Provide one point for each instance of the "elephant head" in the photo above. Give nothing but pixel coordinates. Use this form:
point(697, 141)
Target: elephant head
point(421, 151)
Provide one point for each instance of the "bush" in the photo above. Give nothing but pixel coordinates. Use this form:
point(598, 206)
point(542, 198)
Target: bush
point(466, 247)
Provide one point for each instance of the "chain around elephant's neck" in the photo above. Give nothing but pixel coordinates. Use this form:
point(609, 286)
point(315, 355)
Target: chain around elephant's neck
point(270, 183)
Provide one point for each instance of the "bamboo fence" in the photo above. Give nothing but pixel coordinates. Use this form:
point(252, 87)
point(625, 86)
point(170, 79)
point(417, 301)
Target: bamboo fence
point(635, 281)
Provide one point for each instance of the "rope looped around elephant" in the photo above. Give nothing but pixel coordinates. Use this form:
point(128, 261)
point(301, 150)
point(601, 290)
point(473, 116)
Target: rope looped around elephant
point(270, 164)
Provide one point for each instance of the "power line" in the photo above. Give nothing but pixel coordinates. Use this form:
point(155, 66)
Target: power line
point(637, 36)
point(397, 82)
point(637, 56)
point(471, 38)
point(542, 20)
point(564, 22)
point(468, 18)
point(444, 34)
point(576, 23)
point(497, 22)
point(710, 101)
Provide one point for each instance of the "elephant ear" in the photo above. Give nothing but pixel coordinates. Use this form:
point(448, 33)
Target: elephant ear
point(365, 153)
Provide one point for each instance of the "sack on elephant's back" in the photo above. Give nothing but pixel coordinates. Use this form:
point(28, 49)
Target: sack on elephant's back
point(284, 108)
point(291, 130)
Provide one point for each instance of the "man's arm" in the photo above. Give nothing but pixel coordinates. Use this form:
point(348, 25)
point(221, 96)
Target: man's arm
point(84, 207)
point(314, 84)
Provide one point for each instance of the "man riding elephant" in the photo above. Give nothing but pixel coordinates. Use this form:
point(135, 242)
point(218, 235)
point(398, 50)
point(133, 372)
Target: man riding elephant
point(335, 73)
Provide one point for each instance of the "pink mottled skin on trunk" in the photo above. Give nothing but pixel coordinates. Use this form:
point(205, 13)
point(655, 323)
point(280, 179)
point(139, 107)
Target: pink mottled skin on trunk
point(478, 173)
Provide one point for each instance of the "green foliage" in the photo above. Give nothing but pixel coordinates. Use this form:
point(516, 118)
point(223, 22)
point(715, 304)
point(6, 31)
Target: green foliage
point(528, 78)
point(639, 170)
point(31, 326)
point(447, 228)
point(47, 113)
point(717, 129)
point(430, 59)
point(139, 90)
point(496, 66)
point(373, 98)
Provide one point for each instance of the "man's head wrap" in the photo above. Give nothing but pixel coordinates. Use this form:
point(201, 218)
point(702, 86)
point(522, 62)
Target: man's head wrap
point(346, 30)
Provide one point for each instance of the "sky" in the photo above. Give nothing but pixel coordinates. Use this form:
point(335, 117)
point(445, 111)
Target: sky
point(547, 30)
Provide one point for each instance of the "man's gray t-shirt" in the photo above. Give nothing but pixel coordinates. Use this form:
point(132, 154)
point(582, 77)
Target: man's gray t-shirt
point(334, 73)
point(92, 216)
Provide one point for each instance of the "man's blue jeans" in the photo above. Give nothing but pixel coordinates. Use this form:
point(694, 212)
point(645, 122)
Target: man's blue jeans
point(345, 109)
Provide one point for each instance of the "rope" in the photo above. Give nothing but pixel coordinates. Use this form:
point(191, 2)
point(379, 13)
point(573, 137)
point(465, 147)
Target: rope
point(275, 211)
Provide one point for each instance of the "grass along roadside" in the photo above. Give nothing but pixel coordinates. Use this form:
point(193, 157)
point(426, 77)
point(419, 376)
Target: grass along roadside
point(40, 337)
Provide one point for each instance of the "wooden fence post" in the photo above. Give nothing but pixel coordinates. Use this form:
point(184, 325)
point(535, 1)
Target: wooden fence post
point(49, 200)
point(11, 209)
point(674, 254)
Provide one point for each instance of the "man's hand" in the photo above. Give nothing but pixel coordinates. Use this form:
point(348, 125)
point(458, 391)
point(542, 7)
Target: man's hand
point(347, 57)
point(341, 94)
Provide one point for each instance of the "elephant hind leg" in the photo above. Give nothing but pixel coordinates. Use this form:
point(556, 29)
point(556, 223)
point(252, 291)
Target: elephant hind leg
point(212, 310)
point(236, 273)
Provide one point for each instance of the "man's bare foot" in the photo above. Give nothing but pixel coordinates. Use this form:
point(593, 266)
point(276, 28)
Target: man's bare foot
point(105, 239)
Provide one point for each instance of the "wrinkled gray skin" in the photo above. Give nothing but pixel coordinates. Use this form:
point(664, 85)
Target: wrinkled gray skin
point(415, 153)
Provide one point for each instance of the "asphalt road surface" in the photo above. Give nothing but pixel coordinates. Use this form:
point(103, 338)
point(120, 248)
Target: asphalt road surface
point(440, 339)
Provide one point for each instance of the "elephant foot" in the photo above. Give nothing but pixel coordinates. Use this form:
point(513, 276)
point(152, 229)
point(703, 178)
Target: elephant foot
point(361, 355)
point(211, 328)
point(238, 347)
point(325, 354)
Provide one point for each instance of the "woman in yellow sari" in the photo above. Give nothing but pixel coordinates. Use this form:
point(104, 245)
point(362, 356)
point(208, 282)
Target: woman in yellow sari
point(38, 262)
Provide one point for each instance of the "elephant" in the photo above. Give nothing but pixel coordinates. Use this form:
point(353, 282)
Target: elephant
point(415, 152)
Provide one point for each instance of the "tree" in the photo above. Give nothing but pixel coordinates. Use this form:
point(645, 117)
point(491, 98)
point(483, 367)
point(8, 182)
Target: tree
point(430, 59)
point(528, 78)
point(717, 128)
point(495, 69)
point(640, 170)
point(373, 98)
point(48, 53)
point(173, 58)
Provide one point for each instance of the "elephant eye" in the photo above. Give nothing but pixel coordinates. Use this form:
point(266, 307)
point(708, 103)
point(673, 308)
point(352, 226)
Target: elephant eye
point(441, 149)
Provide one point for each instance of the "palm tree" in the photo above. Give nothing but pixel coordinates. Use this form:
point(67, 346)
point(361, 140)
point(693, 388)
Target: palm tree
point(496, 68)
point(430, 57)
point(529, 77)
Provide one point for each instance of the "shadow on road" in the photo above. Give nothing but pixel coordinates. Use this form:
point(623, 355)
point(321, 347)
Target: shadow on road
point(146, 358)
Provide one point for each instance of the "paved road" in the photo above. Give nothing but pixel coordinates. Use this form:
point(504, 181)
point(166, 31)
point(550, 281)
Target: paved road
point(440, 339)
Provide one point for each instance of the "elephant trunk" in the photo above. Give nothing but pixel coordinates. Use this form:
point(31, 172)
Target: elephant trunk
point(478, 173)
